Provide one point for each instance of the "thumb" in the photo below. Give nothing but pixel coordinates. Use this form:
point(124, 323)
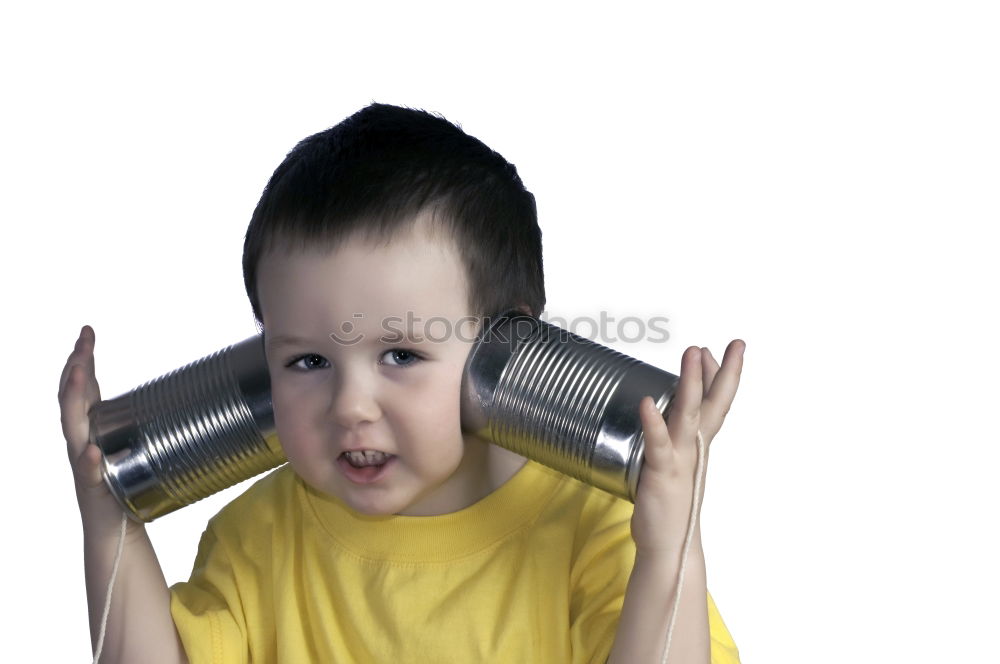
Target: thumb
point(88, 469)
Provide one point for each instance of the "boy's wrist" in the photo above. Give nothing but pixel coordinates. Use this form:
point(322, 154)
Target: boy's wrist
point(670, 557)
point(101, 516)
point(105, 529)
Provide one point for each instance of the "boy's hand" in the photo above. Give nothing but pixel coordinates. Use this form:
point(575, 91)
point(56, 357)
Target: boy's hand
point(666, 486)
point(78, 392)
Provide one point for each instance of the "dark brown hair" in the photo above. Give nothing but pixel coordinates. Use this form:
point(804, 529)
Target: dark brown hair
point(373, 173)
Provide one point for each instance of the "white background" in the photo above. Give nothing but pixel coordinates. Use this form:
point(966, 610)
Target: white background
point(818, 179)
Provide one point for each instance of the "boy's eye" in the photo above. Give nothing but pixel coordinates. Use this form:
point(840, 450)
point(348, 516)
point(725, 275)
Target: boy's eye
point(404, 357)
point(310, 363)
point(400, 358)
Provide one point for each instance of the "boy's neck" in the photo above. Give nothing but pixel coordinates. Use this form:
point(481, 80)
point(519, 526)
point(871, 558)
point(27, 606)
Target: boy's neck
point(484, 469)
point(502, 465)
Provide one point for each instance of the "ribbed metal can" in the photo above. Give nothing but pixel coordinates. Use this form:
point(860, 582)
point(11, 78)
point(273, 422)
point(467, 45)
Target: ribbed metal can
point(189, 433)
point(562, 400)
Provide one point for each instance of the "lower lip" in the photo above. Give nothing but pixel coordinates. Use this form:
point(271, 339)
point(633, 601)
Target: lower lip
point(366, 475)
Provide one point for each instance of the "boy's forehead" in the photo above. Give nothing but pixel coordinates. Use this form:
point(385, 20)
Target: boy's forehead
point(407, 281)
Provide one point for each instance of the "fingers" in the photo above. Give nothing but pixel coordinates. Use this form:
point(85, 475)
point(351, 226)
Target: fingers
point(93, 390)
point(722, 391)
point(69, 364)
point(709, 367)
point(78, 391)
point(684, 417)
point(658, 455)
point(701, 401)
point(663, 436)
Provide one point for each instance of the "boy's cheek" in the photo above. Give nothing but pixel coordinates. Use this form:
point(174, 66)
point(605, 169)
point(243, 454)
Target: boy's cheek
point(434, 398)
point(291, 420)
point(299, 397)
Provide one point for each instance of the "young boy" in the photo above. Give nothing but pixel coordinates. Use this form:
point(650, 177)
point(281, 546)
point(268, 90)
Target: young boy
point(376, 251)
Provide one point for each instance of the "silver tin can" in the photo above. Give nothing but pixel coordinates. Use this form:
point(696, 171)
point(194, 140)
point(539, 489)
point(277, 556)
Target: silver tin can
point(190, 433)
point(561, 400)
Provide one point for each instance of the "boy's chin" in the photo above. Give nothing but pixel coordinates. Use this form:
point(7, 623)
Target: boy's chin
point(344, 496)
point(372, 508)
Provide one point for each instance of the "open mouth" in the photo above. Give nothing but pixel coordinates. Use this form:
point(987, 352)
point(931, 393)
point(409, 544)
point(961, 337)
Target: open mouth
point(365, 467)
point(366, 458)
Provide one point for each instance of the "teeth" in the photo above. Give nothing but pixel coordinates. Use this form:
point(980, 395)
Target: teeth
point(366, 457)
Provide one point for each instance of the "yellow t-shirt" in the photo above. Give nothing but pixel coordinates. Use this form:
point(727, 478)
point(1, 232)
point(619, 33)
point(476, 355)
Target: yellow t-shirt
point(534, 572)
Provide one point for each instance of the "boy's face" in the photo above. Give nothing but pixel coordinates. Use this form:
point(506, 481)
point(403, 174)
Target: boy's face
point(364, 390)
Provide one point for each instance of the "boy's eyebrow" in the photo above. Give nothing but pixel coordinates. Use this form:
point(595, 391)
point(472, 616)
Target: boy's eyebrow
point(283, 340)
point(291, 340)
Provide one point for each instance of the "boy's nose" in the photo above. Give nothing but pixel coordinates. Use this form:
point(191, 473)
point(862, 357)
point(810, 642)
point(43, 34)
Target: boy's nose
point(353, 402)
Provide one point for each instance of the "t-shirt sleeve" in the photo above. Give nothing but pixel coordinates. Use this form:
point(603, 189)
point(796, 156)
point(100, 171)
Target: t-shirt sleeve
point(598, 581)
point(207, 609)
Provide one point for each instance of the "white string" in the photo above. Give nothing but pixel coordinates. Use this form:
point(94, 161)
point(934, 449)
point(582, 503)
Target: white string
point(111, 584)
point(695, 506)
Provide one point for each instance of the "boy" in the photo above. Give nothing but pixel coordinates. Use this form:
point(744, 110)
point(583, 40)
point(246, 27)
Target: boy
point(376, 251)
